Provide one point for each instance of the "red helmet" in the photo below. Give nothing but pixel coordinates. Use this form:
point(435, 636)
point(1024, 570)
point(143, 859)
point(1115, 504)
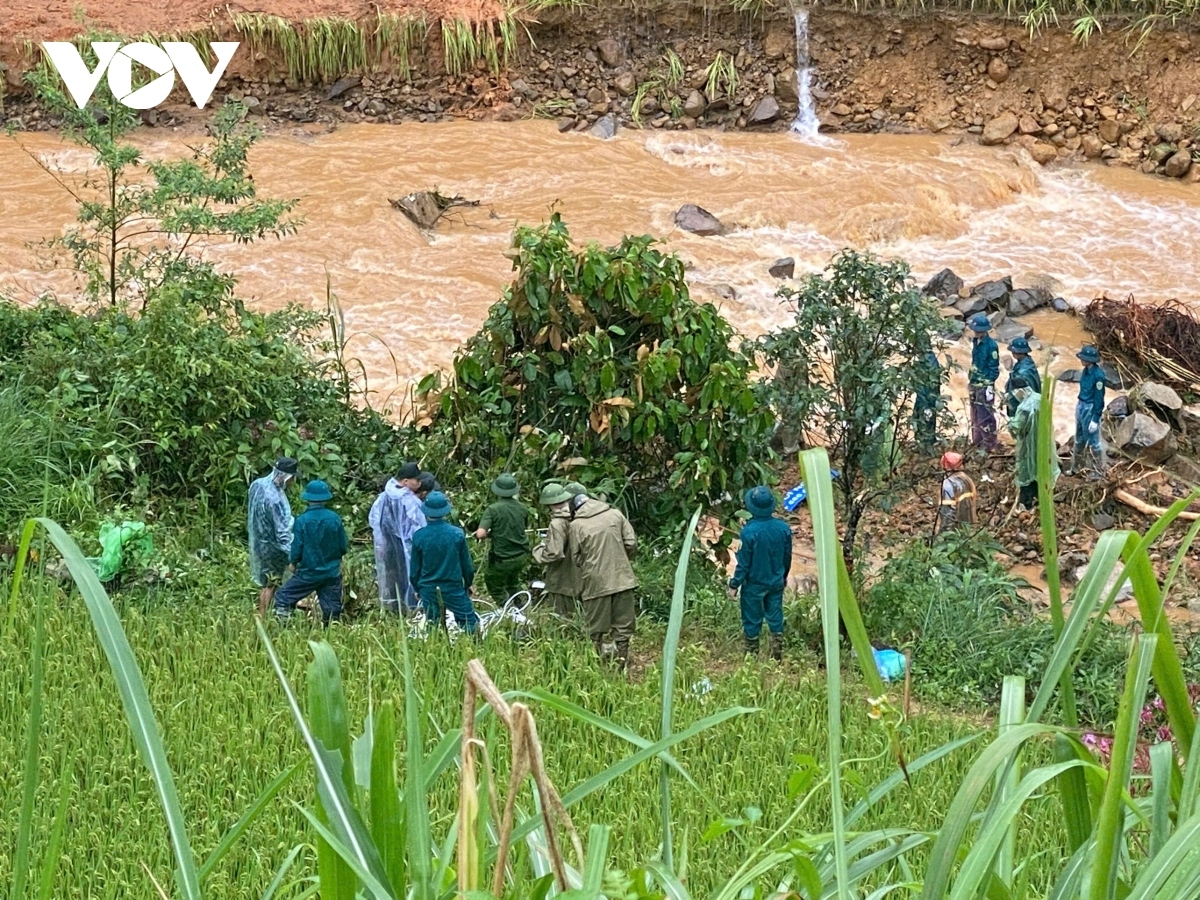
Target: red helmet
point(951, 461)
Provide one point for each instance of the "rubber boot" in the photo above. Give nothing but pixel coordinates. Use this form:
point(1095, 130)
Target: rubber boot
point(751, 645)
point(622, 657)
point(776, 647)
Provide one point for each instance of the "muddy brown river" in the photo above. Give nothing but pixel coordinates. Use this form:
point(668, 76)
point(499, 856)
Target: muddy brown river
point(411, 299)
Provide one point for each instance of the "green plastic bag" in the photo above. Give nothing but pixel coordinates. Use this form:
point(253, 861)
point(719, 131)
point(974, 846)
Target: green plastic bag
point(123, 545)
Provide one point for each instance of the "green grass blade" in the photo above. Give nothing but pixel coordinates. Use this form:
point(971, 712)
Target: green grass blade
point(1180, 556)
point(959, 817)
point(815, 464)
point(1186, 805)
point(19, 574)
point(1046, 447)
point(1070, 877)
point(1102, 884)
point(672, 887)
point(1087, 597)
point(387, 816)
point(977, 868)
point(134, 698)
point(252, 813)
point(670, 651)
point(1012, 712)
point(1169, 679)
point(418, 845)
point(894, 780)
point(615, 771)
point(54, 845)
point(350, 857)
point(597, 852)
point(1161, 759)
point(331, 785)
point(1073, 793)
point(33, 738)
point(281, 872)
point(1182, 846)
point(330, 724)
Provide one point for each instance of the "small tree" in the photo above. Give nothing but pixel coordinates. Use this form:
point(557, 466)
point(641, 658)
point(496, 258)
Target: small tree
point(140, 220)
point(598, 362)
point(848, 368)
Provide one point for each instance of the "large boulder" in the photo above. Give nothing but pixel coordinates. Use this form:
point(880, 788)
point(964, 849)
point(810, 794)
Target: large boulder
point(971, 305)
point(1159, 401)
point(1178, 164)
point(944, 285)
point(1118, 407)
point(998, 130)
point(994, 293)
point(694, 105)
point(1189, 416)
point(765, 111)
point(611, 52)
point(783, 268)
point(1026, 300)
point(605, 128)
point(1144, 437)
point(698, 220)
point(1010, 331)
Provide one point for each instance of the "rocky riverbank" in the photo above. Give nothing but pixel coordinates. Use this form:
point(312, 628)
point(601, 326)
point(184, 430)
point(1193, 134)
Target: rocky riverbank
point(676, 68)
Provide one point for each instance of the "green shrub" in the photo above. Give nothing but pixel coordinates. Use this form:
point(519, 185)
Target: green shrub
point(597, 362)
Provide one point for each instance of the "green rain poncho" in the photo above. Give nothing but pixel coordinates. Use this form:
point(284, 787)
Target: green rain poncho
point(1024, 428)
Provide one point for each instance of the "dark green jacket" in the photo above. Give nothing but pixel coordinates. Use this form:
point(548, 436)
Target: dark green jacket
point(318, 544)
point(765, 557)
point(1024, 374)
point(1091, 389)
point(505, 522)
point(985, 361)
point(440, 558)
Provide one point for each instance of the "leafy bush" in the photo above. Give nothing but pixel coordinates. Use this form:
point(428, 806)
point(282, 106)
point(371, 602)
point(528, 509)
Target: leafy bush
point(597, 362)
point(197, 392)
point(957, 609)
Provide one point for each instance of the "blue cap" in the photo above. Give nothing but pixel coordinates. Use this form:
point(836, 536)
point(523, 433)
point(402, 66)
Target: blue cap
point(1019, 345)
point(437, 505)
point(981, 323)
point(760, 501)
point(316, 492)
point(1089, 354)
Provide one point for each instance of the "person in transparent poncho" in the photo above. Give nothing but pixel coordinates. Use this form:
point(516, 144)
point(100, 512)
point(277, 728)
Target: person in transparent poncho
point(269, 525)
point(395, 517)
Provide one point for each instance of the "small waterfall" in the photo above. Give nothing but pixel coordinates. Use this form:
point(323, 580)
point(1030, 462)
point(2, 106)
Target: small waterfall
point(806, 123)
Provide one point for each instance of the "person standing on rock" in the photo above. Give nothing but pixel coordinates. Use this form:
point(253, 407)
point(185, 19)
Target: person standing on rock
point(554, 553)
point(1023, 425)
point(396, 515)
point(1024, 374)
point(319, 542)
point(441, 569)
point(601, 544)
point(927, 402)
point(1089, 451)
point(269, 523)
point(957, 506)
point(504, 522)
point(985, 369)
point(764, 560)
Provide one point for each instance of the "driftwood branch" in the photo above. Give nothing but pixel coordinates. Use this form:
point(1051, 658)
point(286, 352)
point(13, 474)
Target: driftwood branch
point(1143, 507)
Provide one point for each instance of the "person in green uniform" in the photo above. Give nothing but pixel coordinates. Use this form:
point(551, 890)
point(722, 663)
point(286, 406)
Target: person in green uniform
point(764, 560)
point(1024, 428)
point(319, 542)
point(554, 553)
point(601, 544)
point(1024, 374)
point(1088, 453)
point(981, 382)
point(441, 569)
point(504, 522)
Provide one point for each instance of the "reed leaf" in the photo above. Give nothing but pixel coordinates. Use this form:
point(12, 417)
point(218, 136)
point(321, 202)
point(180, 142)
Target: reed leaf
point(387, 817)
point(1012, 712)
point(815, 464)
point(1073, 794)
point(418, 844)
point(1102, 885)
point(670, 651)
point(1161, 765)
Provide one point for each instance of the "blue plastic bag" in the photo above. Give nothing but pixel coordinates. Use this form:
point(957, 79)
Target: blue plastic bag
point(890, 664)
point(797, 495)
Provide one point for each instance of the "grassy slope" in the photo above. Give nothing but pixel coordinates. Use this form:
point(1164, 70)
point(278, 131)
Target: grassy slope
point(228, 734)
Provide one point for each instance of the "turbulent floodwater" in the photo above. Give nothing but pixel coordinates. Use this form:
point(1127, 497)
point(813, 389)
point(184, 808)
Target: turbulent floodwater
point(411, 300)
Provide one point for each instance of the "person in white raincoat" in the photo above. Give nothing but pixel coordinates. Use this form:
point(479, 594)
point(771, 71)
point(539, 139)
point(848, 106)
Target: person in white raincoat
point(395, 517)
point(269, 525)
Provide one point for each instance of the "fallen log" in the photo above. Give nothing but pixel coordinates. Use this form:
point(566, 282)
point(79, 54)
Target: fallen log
point(1145, 508)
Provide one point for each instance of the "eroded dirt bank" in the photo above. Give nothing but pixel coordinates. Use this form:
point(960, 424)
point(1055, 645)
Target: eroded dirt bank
point(1138, 108)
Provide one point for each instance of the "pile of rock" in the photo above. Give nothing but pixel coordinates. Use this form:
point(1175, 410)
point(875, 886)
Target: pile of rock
point(1145, 424)
point(998, 300)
